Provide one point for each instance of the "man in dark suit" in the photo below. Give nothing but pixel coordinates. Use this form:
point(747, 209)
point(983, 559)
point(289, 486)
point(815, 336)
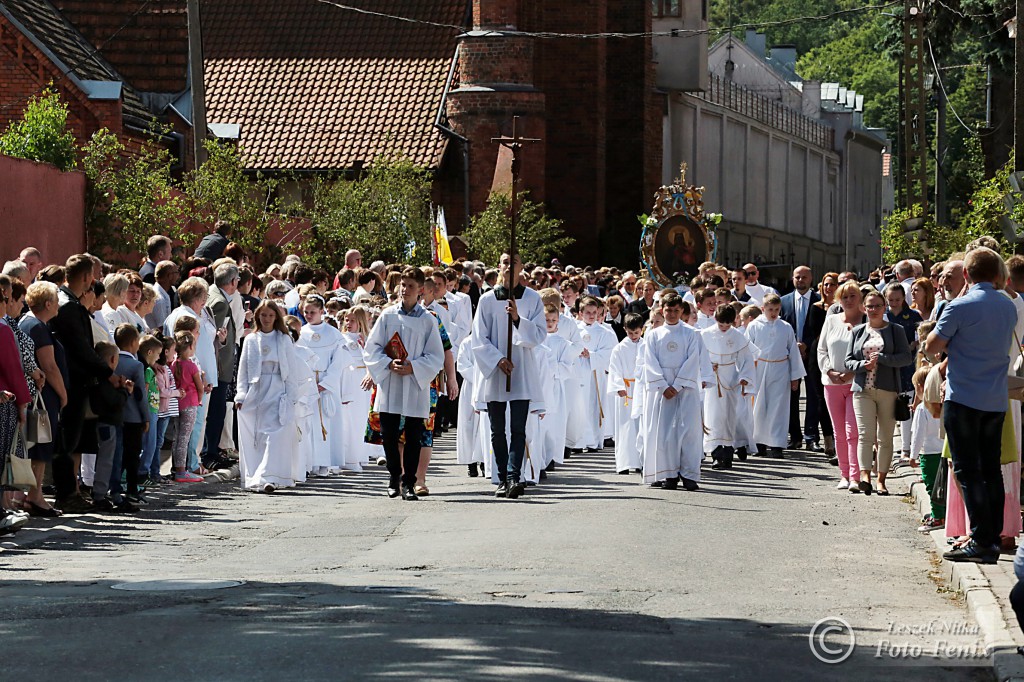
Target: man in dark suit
point(158, 248)
point(806, 318)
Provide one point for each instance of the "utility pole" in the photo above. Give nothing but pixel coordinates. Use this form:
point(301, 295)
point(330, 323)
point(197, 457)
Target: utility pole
point(915, 143)
point(197, 81)
point(1018, 93)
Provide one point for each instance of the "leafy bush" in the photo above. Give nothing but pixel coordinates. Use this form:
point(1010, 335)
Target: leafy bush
point(42, 134)
point(130, 197)
point(385, 215)
point(538, 237)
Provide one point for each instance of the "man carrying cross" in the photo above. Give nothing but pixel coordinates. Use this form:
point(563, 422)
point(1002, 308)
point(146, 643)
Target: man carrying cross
point(510, 301)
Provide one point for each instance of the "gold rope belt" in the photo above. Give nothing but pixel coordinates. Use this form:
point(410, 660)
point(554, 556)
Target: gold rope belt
point(785, 359)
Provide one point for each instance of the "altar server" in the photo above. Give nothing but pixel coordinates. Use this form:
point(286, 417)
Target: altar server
point(621, 387)
point(329, 360)
point(732, 378)
point(779, 370)
point(490, 350)
point(403, 354)
point(356, 385)
point(671, 365)
point(563, 356)
point(587, 412)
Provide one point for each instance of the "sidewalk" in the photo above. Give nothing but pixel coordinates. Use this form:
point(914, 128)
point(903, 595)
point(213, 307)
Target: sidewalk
point(986, 590)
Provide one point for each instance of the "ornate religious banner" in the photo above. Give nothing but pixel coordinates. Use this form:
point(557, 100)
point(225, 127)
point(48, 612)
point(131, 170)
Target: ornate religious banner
point(678, 236)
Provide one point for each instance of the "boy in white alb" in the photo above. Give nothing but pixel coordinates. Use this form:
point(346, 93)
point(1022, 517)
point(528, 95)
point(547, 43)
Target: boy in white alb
point(587, 413)
point(468, 450)
point(707, 301)
point(403, 385)
point(779, 370)
point(671, 366)
point(563, 356)
point(621, 387)
point(732, 378)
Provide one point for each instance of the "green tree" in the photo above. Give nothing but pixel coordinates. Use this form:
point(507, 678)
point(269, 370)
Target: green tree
point(130, 197)
point(220, 189)
point(385, 215)
point(42, 134)
point(538, 237)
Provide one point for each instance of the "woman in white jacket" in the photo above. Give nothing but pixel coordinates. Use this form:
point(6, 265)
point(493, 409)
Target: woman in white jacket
point(838, 381)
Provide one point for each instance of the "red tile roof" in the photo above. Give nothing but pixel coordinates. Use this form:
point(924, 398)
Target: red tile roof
point(145, 40)
point(42, 20)
point(316, 87)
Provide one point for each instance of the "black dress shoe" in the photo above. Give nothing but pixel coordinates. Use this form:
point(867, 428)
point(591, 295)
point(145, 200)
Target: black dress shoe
point(741, 454)
point(550, 466)
point(409, 495)
point(762, 450)
point(393, 493)
point(815, 446)
point(473, 473)
point(543, 474)
point(658, 484)
point(516, 489)
point(624, 472)
point(775, 453)
point(502, 490)
point(690, 484)
point(671, 484)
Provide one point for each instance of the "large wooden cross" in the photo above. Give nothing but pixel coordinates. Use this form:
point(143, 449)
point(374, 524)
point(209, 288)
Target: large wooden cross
point(515, 145)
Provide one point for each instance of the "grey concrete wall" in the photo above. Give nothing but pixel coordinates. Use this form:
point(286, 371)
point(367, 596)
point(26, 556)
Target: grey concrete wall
point(784, 200)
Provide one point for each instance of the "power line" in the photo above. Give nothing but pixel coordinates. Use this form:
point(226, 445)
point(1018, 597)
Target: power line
point(945, 95)
point(644, 34)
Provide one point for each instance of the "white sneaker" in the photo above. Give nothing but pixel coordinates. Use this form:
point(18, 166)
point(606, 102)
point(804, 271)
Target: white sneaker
point(843, 484)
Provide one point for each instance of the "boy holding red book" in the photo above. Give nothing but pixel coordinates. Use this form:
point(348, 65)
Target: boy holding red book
point(403, 354)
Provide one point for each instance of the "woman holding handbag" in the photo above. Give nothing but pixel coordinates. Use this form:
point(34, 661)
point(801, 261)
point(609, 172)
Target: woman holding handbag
point(42, 304)
point(877, 351)
point(14, 401)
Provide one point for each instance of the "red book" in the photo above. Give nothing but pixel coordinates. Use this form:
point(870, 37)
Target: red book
point(396, 349)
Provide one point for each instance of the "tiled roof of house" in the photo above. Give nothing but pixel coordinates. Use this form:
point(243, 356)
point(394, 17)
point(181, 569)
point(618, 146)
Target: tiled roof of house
point(42, 20)
point(316, 87)
point(145, 40)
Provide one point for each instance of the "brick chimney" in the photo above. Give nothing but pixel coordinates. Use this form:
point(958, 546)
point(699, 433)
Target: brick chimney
point(496, 83)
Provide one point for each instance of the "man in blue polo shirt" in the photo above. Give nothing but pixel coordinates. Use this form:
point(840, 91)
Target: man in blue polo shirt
point(976, 332)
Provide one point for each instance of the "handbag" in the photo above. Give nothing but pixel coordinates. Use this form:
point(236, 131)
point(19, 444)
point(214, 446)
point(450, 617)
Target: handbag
point(941, 485)
point(18, 472)
point(38, 430)
point(901, 409)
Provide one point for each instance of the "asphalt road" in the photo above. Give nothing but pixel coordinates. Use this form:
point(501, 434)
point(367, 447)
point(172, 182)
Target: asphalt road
point(591, 576)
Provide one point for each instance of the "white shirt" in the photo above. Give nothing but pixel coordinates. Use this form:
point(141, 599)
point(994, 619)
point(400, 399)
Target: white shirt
point(758, 292)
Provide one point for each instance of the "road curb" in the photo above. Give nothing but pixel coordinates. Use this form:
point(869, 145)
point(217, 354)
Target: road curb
point(33, 536)
point(981, 600)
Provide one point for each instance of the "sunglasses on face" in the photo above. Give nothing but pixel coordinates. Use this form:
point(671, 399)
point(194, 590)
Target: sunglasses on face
point(749, 274)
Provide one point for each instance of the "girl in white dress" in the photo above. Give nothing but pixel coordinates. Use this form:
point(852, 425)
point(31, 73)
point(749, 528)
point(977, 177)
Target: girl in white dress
point(327, 345)
point(270, 384)
point(356, 385)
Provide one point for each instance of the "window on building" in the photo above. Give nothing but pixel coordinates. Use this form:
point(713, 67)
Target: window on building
point(667, 8)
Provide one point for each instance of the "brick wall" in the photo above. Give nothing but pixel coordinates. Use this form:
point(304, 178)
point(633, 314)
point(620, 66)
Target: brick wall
point(572, 74)
point(41, 207)
point(150, 50)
